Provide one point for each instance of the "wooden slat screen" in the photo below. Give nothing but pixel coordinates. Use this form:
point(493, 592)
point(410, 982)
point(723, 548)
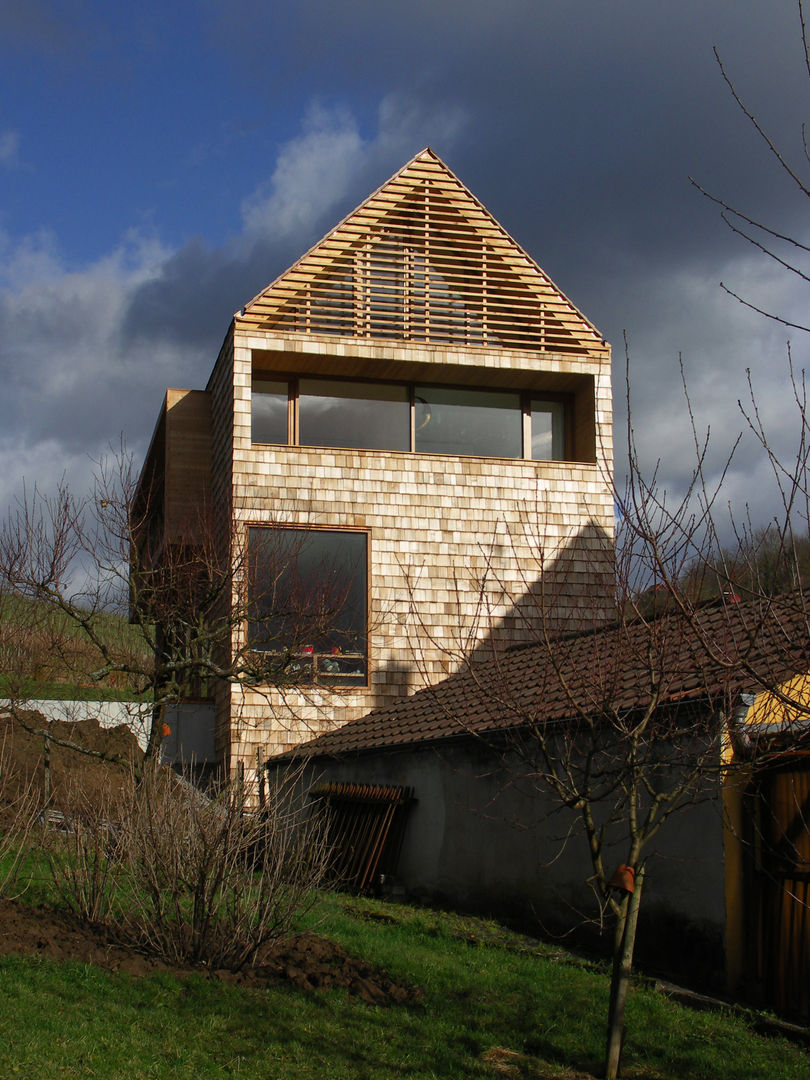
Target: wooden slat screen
point(366, 824)
point(422, 261)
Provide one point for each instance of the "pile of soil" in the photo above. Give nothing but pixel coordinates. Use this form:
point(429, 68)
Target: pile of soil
point(32, 757)
point(306, 960)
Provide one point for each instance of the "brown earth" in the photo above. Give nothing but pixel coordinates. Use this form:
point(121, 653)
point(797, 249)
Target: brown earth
point(306, 960)
point(33, 758)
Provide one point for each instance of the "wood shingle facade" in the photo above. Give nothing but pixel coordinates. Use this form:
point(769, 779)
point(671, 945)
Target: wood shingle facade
point(416, 391)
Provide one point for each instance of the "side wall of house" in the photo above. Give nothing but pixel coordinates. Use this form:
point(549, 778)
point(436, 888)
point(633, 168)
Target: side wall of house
point(188, 464)
point(220, 387)
point(463, 551)
point(479, 840)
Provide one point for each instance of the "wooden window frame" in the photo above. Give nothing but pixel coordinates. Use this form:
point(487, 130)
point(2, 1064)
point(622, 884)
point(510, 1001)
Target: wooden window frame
point(527, 397)
point(365, 683)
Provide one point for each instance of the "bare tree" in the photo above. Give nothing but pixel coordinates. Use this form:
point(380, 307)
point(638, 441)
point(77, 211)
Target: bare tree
point(783, 249)
point(625, 725)
point(95, 593)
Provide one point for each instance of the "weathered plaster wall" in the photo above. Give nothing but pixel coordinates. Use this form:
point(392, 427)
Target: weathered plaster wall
point(478, 840)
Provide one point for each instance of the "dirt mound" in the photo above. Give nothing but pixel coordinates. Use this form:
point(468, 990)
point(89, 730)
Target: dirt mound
point(33, 756)
point(306, 960)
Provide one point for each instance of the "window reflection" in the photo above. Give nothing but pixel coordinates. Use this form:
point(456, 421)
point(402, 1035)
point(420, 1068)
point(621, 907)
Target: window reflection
point(308, 604)
point(367, 416)
point(548, 430)
point(268, 411)
point(481, 422)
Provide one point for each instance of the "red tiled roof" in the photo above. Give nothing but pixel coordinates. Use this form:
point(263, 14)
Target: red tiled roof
point(710, 655)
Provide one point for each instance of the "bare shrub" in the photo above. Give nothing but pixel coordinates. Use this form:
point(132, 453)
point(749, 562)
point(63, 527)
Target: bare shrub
point(80, 844)
point(209, 882)
point(18, 812)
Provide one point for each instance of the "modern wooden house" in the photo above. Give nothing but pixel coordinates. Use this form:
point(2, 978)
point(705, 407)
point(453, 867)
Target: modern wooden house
point(412, 418)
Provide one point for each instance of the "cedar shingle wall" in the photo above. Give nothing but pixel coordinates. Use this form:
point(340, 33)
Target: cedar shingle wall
point(188, 462)
point(220, 387)
point(438, 526)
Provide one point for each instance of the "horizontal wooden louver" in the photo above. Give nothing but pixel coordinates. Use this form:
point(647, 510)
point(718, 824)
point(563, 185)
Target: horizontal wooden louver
point(422, 261)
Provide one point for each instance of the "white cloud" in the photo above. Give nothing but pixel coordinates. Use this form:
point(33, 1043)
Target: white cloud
point(77, 370)
point(316, 170)
point(312, 173)
point(9, 148)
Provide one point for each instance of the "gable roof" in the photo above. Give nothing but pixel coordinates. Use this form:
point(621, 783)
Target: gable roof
point(710, 657)
point(422, 260)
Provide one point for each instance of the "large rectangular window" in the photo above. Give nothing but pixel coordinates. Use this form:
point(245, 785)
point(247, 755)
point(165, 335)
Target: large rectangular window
point(487, 423)
point(363, 415)
point(371, 416)
point(307, 604)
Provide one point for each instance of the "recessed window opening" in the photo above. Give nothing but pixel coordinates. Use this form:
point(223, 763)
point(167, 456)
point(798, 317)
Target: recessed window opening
point(487, 423)
point(353, 414)
point(308, 603)
point(548, 430)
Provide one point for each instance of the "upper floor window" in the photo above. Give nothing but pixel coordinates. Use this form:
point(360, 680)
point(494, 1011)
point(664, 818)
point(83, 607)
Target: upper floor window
point(268, 411)
point(487, 423)
point(358, 415)
point(394, 416)
point(548, 430)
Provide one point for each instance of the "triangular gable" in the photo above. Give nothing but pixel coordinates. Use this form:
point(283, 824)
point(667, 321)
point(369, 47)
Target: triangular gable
point(421, 260)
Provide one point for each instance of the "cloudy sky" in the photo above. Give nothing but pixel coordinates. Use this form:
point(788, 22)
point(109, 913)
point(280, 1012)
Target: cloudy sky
point(161, 162)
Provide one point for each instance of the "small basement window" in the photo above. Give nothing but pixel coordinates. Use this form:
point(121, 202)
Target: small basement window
point(308, 604)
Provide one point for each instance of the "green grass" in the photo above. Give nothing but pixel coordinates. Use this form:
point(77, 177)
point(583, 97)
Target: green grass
point(49, 690)
point(57, 659)
point(488, 993)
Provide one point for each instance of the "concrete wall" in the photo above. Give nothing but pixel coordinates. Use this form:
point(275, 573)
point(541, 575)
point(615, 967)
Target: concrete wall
point(479, 840)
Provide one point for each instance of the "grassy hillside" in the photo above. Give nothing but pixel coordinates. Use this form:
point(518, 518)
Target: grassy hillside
point(495, 1005)
point(46, 654)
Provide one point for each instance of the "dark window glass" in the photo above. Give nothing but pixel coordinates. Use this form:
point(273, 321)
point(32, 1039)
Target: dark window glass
point(268, 415)
point(308, 604)
point(548, 430)
point(354, 415)
point(483, 422)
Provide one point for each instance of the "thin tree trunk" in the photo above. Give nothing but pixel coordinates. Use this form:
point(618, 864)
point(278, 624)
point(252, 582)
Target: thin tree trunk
point(620, 980)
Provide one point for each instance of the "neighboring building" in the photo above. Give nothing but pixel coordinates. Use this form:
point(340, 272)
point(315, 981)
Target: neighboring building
point(417, 409)
point(727, 892)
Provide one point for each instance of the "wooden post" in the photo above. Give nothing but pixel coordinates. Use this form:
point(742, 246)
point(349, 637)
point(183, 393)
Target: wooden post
point(46, 762)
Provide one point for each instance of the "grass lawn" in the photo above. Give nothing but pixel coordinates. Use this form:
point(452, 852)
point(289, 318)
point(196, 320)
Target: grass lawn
point(494, 1007)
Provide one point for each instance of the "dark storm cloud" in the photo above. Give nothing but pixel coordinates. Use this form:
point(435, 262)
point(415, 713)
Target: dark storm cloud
point(577, 124)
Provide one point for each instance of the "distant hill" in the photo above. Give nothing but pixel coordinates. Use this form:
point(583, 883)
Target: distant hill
point(44, 654)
